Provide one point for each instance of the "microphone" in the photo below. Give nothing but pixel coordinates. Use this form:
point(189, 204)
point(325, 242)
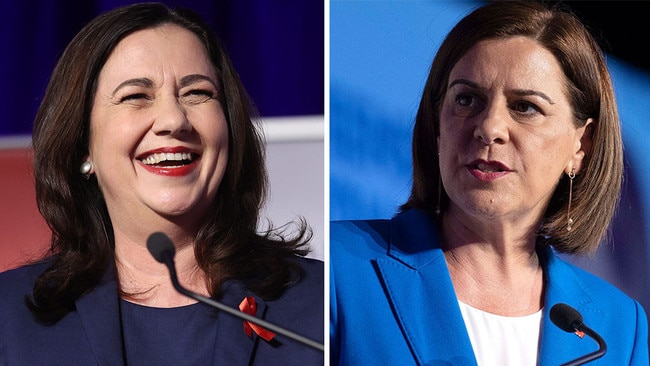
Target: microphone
point(569, 320)
point(162, 249)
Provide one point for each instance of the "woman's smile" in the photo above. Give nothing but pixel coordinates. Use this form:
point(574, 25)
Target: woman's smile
point(170, 161)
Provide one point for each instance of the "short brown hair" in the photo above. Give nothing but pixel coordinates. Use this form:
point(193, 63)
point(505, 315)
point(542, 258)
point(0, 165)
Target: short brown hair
point(590, 92)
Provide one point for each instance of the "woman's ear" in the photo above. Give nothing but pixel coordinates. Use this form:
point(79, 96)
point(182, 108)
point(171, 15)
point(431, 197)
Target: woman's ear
point(582, 150)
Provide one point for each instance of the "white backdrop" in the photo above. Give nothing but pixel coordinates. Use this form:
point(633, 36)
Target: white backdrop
point(295, 161)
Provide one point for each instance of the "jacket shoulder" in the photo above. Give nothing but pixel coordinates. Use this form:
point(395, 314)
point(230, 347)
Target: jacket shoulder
point(18, 282)
point(359, 238)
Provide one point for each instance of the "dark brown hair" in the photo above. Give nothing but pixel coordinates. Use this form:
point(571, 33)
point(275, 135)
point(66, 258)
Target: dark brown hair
point(589, 88)
point(74, 208)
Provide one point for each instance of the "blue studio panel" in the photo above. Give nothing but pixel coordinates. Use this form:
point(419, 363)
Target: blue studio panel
point(277, 48)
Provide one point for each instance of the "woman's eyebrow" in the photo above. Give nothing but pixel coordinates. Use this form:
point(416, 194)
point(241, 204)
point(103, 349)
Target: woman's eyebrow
point(143, 82)
point(195, 78)
point(528, 92)
point(465, 82)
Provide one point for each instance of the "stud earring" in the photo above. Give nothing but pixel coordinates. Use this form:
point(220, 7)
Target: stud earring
point(572, 175)
point(85, 169)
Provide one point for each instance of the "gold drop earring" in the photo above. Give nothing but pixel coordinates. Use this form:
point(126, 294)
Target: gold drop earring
point(572, 175)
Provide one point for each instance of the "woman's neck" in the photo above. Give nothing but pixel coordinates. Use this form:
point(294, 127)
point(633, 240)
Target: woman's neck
point(495, 271)
point(145, 281)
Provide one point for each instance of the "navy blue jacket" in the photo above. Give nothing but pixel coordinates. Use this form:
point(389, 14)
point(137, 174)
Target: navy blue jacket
point(91, 335)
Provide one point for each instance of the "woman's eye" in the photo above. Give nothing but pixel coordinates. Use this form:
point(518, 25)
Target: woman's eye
point(197, 96)
point(201, 92)
point(464, 100)
point(525, 108)
point(133, 97)
point(467, 105)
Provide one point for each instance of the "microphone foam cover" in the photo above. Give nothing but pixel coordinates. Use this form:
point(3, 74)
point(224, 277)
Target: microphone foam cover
point(565, 317)
point(160, 246)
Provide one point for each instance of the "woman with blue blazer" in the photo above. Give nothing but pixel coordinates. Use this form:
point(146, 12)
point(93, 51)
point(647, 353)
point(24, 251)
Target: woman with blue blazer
point(392, 302)
point(517, 156)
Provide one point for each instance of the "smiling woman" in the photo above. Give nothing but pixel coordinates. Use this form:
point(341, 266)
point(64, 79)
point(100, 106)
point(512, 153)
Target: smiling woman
point(145, 127)
point(158, 96)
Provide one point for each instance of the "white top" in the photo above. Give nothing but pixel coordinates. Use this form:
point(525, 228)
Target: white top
point(501, 340)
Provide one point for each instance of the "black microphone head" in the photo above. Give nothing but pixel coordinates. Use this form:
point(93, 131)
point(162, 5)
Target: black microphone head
point(161, 247)
point(565, 317)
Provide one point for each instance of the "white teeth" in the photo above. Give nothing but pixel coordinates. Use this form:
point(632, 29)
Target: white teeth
point(158, 157)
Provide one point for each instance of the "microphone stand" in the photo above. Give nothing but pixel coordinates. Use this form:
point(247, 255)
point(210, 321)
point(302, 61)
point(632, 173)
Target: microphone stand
point(169, 261)
point(570, 320)
point(602, 347)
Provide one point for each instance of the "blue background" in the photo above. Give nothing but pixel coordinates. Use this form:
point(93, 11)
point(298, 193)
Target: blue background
point(276, 46)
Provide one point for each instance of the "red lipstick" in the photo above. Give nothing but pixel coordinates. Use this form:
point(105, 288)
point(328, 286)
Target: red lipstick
point(173, 161)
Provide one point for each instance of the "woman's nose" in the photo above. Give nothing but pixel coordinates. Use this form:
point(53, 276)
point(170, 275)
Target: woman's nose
point(492, 125)
point(171, 118)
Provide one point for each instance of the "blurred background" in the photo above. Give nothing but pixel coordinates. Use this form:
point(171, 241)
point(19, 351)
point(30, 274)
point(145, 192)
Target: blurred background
point(380, 53)
point(277, 48)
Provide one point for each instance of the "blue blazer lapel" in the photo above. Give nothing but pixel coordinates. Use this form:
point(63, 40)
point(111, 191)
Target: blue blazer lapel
point(419, 288)
point(563, 286)
point(418, 285)
point(100, 317)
